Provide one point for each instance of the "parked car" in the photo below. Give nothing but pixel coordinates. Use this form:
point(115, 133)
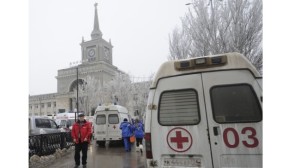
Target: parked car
point(45, 136)
point(42, 125)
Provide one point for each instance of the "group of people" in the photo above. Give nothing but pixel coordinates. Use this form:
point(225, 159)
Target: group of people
point(136, 130)
point(82, 131)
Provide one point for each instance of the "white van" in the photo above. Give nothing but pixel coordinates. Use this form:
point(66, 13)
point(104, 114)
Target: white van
point(107, 120)
point(205, 112)
point(65, 120)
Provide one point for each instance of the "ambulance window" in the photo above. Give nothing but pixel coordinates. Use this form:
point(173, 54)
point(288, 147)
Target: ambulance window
point(235, 104)
point(101, 119)
point(179, 107)
point(113, 119)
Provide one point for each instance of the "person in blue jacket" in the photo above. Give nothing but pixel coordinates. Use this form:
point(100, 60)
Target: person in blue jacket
point(139, 134)
point(127, 131)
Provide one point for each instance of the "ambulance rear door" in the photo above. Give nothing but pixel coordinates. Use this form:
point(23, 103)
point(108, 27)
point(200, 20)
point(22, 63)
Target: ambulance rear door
point(234, 118)
point(100, 126)
point(179, 134)
point(113, 130)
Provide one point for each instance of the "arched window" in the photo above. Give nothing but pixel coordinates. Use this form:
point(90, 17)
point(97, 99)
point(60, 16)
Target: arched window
point(81, 85)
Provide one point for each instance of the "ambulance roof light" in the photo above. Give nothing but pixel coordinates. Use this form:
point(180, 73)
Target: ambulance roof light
point(200, 61)
point(216, 60)
point(184, 64)
point(203, 62)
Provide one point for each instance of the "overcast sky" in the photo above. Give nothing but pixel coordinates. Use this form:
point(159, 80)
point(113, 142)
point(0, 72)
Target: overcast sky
point(139, 31)
point(68, 21)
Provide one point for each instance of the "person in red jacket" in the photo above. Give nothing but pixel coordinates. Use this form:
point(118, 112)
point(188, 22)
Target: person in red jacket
point(81, 132)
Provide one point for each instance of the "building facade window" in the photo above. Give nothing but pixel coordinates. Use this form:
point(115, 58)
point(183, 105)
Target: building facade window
point(36, 106)
point(54, 104)
point(42, 105)
point(49, 104)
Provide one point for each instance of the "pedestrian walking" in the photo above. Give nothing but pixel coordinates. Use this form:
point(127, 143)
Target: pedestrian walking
point(81, 132)
point(127, 131)
point(139, 135)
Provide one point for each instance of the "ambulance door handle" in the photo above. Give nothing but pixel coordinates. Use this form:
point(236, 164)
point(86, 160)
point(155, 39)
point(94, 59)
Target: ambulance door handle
point(216, 130)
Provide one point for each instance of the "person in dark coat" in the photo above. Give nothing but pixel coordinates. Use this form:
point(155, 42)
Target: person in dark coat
point(139, 135)
point(127, 131)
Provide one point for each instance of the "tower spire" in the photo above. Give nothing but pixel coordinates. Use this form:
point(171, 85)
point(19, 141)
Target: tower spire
point(96, 33)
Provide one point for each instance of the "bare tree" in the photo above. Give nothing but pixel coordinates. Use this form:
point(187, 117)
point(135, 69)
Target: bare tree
point(92, 93)
point(114, 91)
point(220, 26)
point(81, 95)
point(179, 44)
point(126, 93)
point(140, 95)
point(118, 90)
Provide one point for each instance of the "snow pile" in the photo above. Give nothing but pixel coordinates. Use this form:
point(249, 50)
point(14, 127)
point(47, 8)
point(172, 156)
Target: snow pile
point(36, 161)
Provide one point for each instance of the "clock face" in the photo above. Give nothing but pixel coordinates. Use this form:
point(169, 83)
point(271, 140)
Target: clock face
point(91, 52)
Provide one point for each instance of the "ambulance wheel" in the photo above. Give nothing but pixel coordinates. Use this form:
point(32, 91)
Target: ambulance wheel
point(101, 143)
point(121, 143)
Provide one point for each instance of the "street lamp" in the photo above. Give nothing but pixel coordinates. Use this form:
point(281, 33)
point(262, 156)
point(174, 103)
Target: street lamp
point(77, 105)
point(40, 104)
point(77, 86)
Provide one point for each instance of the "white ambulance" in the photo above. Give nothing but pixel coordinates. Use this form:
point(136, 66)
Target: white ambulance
point(107, 120)
point(65, 120)
point(205, 112)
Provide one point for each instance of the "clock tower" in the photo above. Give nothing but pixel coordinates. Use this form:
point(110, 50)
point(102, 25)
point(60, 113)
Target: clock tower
point(96, 68)
point(97, 49)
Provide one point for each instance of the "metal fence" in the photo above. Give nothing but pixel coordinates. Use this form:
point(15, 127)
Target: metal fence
point(46, 144)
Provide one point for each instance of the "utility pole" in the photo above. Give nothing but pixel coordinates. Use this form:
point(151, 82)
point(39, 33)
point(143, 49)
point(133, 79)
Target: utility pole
point(77, 88)
point(77, 105)
point(40, 106)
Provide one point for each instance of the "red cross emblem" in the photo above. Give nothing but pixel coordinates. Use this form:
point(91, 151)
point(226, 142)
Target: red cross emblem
point(179, 139)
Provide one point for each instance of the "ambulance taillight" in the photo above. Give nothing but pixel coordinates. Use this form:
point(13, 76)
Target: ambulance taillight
point(148, 146)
